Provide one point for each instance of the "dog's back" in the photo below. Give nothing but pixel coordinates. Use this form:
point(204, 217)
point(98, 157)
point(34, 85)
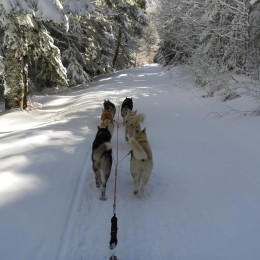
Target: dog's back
point(141, 163)
point(126, 106)
point(102, 158)
point(127, 103)
point(109, 105)
point(102, 136)
point(132, 123)
point(107, 120)
point(107, 114)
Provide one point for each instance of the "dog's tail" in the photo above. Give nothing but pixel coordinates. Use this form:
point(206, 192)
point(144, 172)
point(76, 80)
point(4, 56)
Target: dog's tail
point(140, 118)
point(98, 153)
point(137, 149)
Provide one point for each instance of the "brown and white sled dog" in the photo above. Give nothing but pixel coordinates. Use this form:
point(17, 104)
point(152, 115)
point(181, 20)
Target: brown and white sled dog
point(107, 120)
point(102, 159)
point(141, 162)
point(109, 105)
point(132, 123)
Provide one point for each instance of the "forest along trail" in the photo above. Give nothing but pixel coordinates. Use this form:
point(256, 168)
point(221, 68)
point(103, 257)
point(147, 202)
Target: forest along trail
point(199, 203)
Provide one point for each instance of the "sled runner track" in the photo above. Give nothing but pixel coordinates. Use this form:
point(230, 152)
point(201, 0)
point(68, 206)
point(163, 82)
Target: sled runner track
point(74, 205)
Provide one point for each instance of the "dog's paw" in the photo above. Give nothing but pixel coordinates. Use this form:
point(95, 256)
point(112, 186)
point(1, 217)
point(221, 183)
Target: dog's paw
point(103, 197)
point(103, 194)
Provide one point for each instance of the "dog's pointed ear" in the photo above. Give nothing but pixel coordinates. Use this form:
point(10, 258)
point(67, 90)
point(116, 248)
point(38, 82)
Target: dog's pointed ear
point(144, 130)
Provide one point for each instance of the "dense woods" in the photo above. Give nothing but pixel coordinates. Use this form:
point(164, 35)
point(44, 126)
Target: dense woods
point(77, 40)
point(216, 37)
point(64, 43)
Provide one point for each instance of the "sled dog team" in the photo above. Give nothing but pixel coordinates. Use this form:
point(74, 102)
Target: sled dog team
point(141, 161)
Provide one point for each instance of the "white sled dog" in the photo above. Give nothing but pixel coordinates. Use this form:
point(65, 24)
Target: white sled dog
point(141, 162)
point(132, 123)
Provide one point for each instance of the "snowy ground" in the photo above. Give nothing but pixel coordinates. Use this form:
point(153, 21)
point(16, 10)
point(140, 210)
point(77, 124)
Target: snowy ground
point(202, 201)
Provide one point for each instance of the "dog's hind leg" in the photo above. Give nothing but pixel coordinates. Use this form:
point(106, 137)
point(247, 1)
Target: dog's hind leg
point(111, 128)
point(136, 188)
point(138, 184)
point(103, 193)
point(137, 181)
point(142, 184)
point(106, 165)
point(146, 175)
point(145, 178)
point(134, 173)
point(96, 169)
point(126, 133)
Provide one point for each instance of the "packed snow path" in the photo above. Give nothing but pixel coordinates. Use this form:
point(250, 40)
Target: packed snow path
point(202, 201)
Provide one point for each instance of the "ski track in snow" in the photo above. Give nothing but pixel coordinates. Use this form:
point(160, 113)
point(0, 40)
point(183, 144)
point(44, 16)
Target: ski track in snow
point(75, 204)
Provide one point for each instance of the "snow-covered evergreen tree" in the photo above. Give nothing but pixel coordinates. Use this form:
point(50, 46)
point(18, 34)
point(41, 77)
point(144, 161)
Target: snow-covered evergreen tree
point(179, 30)
point(223, 42)
point(26, 37)
point(100, 41)
point(211, 35)
point(65, 44)
point(254, 39)
point(149, 39)
point(128, 20)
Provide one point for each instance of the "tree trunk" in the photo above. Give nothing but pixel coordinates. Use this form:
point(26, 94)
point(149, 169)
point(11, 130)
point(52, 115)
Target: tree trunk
point(16, 80)
point(117, 47)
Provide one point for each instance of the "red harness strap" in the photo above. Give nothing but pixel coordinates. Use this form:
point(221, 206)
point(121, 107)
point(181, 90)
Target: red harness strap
point(116, 162)
point(113, 239)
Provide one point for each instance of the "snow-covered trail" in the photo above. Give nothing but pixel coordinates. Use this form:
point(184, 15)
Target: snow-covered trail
point(202, 201)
